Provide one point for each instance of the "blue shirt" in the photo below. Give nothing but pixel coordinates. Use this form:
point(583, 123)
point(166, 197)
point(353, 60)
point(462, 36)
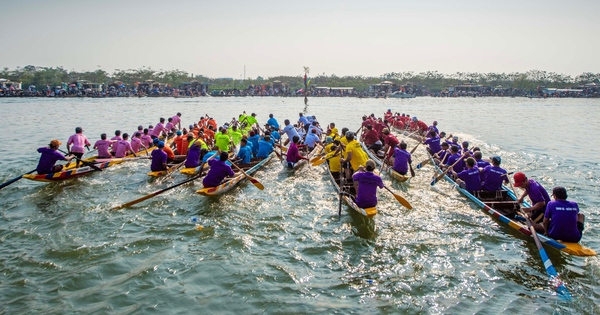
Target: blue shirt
point(254, 141)
point(245, 154)
point(273, 122)
point(303, 120)
point(311, 140)
point(217, 172)
point(264, 149)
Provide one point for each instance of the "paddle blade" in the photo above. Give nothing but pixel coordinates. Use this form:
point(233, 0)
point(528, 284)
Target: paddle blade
point(318, 162)
point(434, 181)
point(403, 201)
point(256, 183)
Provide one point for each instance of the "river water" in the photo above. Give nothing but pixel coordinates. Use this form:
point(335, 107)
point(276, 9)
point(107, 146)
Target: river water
point(284, 249)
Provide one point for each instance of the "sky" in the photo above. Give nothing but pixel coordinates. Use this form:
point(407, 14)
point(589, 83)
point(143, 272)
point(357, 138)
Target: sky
point(270, 38)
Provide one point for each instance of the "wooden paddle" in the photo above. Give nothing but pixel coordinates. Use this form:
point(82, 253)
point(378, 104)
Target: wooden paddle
point(156, 193)
point(16, 179)
point(253, 180)
point(385, 158)
point(96, 168)
point(554, 278)
point(413, 150)
point(342, 177)
point(435, 180)
point(400, 199)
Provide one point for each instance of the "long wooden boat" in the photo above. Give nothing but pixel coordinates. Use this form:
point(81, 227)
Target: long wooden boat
point(388, 169)
point(193, 170)
point(349, 193)
point(69, 173)
point(502, 205)
point(230, 183)
point(169, 170)
point(93, 159)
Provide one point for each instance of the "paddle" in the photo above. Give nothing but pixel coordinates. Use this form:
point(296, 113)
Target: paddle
point(412, 172)
point(385, 158)
point(15, 179)
point(96, 168)
point(413, 150)
point(156, 193)
point(554, 278)
point(342, 177)
point(435, 180)
point(253, 180)
point(400, 199)
point(322, 160)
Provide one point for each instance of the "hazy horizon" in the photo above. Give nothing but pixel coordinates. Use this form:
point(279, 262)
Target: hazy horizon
point(270, 38)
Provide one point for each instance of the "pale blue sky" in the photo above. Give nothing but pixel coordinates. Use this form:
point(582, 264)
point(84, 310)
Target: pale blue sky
point(217, 38)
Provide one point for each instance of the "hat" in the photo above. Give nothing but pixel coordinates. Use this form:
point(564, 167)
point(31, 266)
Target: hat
point(519, 178)
point(155, 141)
point(253, 114)
point(55, 143)
point(496, 159)
point(455, 139)
point(191, 126)
point(161, 144)
point(78, 130)
point(328, 140)
point(349, 134)
point(559, 192)
point(179, 132)
point(370, 165)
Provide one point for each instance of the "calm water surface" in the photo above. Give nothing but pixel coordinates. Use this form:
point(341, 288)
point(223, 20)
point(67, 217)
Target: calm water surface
point(284, 249)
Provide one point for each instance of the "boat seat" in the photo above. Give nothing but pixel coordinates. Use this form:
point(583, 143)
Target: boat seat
point(507, 208)
point(497, 195)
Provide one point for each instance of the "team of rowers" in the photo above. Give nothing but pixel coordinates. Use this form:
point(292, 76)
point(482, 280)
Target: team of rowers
point(206, 142)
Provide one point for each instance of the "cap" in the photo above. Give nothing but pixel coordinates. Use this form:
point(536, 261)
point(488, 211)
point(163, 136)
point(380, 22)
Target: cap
point(389, 110)
point(179, 132)
point(253, 114)
point(370, 165)
point(455, 139)
point(349, 134)
point(328, 140)
point(415, 119)
point(155, 141)
point(161, 144)
point(519, 178)
point(55, 143)
point(78, 130)
point(559, 192)
point(496, 159)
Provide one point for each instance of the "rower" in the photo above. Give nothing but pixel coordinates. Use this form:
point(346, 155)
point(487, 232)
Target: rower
point(479, 159)
point(290, 131)
point(50, 156)
point(293, 155)
point(454, 157)
point(538, 196)
point(390, 143)
point(492, 176)
point(116, 138)
point(136, 142)
point(159, 129)
point(468, 179)
point(79, 142)
point(193, 155)
point(312, 139)
point(222, 140)
point(354, 154)
point(253, 139)
point(177, 120)
point(433, 142)
point(370, 137)
point(265, 147)
point(273, 122)
point(333, 131)
point(333, 160)
point(159, 158)
point(218, 170)
point(402, 159)
point(147, 139)
point(245, 153)
point(562, 220)
point(365, 184)
point(102, 145)
point(123, 147)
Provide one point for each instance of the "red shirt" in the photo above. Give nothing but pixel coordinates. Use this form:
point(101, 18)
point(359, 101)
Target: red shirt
point(370, 137)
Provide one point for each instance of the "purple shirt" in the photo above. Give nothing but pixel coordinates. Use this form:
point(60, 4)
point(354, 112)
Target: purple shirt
point(217, 172)
point(460, 166)
point(102, 146)
point(193, 156)
point(563, 220)
point(368, 182)
point(48, 159)
point(471, 179)
point(158, 158)
point(537, 193)
point(492, 178)
point(434, 144)
point(401, 160)
point(123, 146)
point(482, 163)
point(292, 154)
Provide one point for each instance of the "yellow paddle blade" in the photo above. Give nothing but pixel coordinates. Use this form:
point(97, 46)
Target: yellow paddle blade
point(318, 162)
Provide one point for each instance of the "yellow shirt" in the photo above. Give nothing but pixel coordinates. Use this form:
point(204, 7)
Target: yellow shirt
point(335, 164)
point(359, 157)
point(334, 133)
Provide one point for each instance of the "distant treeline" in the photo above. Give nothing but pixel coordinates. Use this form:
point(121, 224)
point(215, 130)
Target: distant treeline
point(433, 81)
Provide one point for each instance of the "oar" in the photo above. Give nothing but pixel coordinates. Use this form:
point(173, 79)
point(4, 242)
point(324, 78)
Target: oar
point(554, 278)
point(156, 193)
point(435, 180)
point(412, 172)
point(84, 162)
point(317, 157)
point(413, 150)
point(322, 160)
point(342, 177)
point(253, 180)
point(385, 158)
point(400, 199)
point(15, 179)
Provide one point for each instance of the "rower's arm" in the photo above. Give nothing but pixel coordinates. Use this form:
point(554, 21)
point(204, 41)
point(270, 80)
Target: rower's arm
point(546, 223)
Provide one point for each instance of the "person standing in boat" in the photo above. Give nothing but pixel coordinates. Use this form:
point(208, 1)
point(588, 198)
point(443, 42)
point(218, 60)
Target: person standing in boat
point(159, 158)
point(493, 176)
point(218, 170)
point(273, 122)
point(79, 143)
point(176, 120)
point(50, 155)
point(290, 131)
point(562, 220)
point(538, 196)
point(354, 154)
point(365, 184)
point(402, 159)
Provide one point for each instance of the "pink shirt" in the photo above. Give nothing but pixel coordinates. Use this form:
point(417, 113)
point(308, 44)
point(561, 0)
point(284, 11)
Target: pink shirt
point(79, 141)
point(115, 139)
point(176, 120)
point(147, 140)
point(158, 130)
point(169, 126)
point(123, 146)
point(102, 146)
point(136, 144)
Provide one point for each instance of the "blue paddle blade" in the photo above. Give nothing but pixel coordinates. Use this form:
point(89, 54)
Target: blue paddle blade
point(419, 166)
point(433, 181)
